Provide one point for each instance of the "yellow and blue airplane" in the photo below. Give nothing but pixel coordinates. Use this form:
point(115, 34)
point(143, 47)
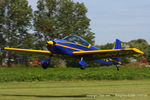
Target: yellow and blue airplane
point(77, 47)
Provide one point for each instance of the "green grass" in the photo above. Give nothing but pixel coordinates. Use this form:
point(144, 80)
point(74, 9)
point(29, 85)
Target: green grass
point(67, 74)
point(76, 90)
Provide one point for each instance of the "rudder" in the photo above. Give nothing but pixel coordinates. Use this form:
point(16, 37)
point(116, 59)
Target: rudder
point(117, 45)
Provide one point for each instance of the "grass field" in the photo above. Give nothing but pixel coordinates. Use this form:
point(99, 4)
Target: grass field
point(76, 90)
point(27, 74)
point(27, 83)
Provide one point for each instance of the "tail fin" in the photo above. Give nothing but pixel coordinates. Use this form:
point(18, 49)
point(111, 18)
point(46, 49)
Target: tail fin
point(117, 45)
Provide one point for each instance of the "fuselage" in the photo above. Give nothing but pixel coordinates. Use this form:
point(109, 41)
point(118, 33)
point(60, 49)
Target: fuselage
point(70, 44)
point(67, 47)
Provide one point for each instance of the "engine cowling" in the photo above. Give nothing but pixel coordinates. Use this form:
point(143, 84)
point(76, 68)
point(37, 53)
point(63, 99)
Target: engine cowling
point(45, 64)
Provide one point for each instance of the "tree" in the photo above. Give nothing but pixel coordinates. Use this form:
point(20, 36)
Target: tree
point(106, 46)
point(72, 20)
point(148, 55)
point(2, 55)
point(17, 21)
point(44, 22)
point(2, 40)
point(140, 44)
point(56, 19)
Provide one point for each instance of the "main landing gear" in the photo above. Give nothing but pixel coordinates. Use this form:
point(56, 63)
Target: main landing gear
point(83, 64)
point(46, 63)
point(117, 67)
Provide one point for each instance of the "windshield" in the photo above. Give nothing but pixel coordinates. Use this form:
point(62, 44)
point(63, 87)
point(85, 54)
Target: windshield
point(76, 39)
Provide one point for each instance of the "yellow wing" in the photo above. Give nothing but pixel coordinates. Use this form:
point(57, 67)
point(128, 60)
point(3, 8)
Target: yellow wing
point(28, 50)
point(112, 53)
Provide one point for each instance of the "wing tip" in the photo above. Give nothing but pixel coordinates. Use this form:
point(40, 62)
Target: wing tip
point(27, 50)
point(4, 48)
point(138, 51)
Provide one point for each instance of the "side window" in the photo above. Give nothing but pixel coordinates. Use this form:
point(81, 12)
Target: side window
point(76, 39)
point(68, 39)
point(83, 42)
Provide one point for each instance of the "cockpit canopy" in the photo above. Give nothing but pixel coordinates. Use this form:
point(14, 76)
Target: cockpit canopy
point(76, 39)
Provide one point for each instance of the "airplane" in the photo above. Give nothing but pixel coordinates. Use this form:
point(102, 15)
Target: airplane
point(77, 47)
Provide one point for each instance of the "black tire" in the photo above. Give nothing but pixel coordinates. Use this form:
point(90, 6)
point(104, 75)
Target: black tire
point(82, 67)
point(45, 65)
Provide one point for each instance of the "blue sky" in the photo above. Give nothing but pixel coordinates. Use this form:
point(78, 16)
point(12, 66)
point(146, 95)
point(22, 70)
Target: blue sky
point(123, 19)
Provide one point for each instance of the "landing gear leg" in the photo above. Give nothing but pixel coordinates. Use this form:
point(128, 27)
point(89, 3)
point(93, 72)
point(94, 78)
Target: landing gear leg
point(117, 67)
point(83, 64)
point(46, 63)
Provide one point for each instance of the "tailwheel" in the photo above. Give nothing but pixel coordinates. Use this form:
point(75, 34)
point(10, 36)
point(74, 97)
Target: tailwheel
point(82, 67)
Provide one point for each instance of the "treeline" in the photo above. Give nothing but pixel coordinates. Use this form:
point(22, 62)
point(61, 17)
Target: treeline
point(23, 27)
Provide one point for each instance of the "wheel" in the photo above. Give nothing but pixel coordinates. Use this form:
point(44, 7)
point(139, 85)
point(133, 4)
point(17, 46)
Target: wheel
point(45, 64)
point(82, 67)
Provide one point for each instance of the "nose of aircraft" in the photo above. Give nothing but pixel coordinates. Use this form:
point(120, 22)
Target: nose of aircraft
point(50, 43)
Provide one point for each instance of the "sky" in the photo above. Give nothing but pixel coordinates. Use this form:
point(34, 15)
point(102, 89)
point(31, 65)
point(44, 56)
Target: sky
point(123, 19)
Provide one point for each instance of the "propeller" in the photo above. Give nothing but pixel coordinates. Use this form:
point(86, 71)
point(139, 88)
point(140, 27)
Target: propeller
point(46, 63)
